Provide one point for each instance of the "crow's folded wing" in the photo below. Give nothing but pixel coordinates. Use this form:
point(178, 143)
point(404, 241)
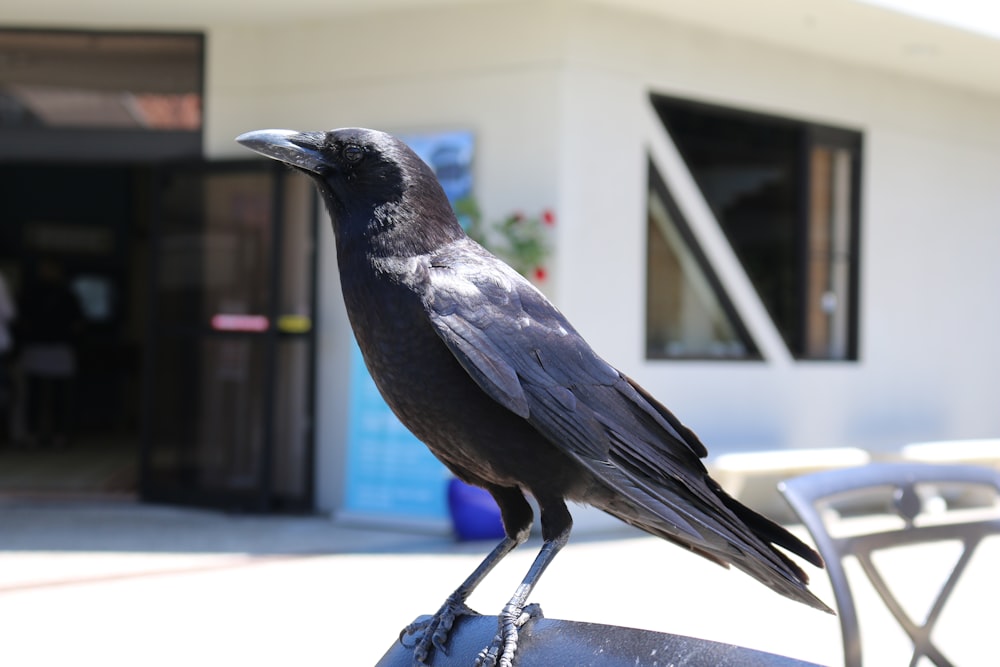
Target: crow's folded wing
point(525, 355)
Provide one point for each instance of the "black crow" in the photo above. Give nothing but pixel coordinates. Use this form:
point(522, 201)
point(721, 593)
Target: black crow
point(496, 382)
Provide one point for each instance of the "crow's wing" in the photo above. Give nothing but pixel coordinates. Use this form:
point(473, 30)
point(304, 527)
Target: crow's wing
point(524, 354)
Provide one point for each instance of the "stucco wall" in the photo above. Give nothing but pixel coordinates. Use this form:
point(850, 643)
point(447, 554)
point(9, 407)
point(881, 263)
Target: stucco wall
point(930, 234)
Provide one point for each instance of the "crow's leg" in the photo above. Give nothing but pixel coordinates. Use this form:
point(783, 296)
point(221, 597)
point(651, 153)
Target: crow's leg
point(556, 526)
point(435, 630)
point(517, 520)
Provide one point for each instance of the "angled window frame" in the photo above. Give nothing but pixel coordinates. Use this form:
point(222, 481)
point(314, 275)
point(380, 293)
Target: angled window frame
point(741, 334)
point(799, 340)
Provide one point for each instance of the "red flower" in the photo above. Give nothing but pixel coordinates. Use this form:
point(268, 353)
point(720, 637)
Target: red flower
point(540, 273)
point(548, 217)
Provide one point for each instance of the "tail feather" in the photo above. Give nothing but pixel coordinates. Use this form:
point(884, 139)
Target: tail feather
point(769, 531)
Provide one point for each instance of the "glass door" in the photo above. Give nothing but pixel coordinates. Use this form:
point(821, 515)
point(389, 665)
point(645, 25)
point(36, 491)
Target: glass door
point(228, 417)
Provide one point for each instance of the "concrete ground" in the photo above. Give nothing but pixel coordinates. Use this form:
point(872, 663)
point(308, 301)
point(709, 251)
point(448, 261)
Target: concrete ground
point(119, 583)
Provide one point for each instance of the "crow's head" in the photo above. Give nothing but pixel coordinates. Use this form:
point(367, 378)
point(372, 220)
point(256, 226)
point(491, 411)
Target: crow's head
point(374, 185)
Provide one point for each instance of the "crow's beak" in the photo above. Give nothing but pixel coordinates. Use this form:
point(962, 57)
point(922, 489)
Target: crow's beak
point(298, 149)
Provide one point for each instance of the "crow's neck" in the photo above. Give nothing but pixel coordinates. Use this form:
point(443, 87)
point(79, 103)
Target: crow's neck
point(395, 230)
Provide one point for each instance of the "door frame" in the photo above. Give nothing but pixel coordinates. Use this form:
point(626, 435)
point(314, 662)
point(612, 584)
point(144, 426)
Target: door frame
point(262, 497)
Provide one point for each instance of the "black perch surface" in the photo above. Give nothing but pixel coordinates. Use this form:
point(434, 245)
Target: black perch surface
point(549, 642)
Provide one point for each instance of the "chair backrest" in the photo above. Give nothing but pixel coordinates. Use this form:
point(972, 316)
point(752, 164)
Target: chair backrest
point(923, 497)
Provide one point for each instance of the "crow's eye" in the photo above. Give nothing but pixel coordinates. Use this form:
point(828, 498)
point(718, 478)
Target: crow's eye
point(353, 152)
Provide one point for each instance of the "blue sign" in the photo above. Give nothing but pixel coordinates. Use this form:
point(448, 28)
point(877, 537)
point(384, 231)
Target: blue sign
point(389, 472)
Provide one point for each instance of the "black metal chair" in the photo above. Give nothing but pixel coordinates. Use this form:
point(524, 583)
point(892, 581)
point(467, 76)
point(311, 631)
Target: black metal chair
point(935, 503)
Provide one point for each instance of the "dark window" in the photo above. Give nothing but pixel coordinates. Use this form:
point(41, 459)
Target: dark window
point(100, 95)
point(687, 313)
point(786, 195)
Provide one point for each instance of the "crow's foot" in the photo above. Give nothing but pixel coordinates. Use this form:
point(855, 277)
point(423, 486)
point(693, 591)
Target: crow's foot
point(501, 652)
point(432, 633)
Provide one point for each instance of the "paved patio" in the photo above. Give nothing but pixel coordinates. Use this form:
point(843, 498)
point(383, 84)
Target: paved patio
point(119, 583)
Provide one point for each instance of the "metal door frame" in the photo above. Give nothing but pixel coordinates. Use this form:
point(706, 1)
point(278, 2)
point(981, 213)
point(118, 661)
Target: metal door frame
point(262, 497)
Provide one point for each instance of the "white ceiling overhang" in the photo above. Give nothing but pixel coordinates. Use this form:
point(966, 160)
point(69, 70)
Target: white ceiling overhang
point(845, 30)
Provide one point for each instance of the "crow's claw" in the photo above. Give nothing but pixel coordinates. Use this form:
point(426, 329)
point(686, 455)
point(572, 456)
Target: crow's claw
point(432, 633)
point(500, 653)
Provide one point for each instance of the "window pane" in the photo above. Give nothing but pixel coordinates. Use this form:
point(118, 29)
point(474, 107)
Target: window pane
point(783, 192)
point(207, 420)
point(108, 80)
point(297, 255)
point(292, 421)
point(746, 170)
point(100, 96)
point(685, 315)
point(828, 281)
point(215, 246)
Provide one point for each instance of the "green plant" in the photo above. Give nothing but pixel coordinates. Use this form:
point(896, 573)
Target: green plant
point(520, 240)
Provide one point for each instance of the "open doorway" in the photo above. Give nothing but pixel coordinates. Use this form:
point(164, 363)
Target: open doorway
point(75, 245)
point(163, 339)
point(83, 115)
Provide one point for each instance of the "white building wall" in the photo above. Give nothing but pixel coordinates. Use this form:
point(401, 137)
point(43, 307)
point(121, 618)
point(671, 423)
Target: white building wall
point(557, 98)
point(930, 236)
